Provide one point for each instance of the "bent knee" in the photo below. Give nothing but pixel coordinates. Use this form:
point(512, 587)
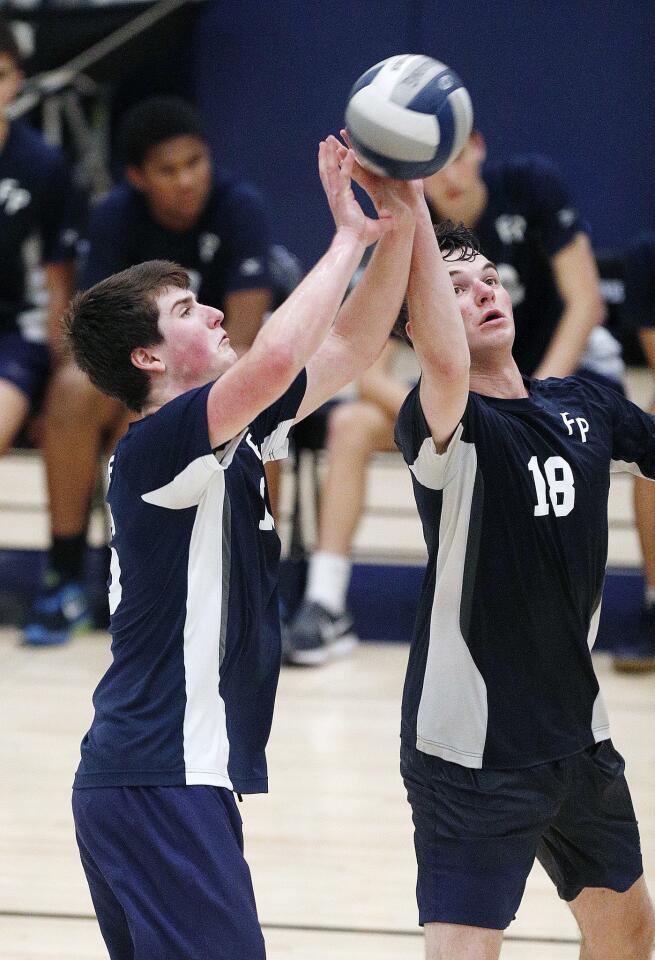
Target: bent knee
point(358, 426)
point(71, 394)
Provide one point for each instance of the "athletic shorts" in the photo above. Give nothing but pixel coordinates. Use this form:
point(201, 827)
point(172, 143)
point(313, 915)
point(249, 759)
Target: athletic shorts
point(166, 872)
point(477, 832)
point(26, 365)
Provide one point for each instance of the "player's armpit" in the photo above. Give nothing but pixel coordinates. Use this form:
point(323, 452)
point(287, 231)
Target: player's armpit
point(443, 406)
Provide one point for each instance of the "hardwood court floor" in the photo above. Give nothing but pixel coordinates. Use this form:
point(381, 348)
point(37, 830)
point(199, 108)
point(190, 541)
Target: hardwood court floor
point(330, 847)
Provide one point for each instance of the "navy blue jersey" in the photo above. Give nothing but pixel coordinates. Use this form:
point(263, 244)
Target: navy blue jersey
point(639, 280)
point(514, 515)
point(528, 218)
point(226, 250)
point(188, 698)
point(39, 223)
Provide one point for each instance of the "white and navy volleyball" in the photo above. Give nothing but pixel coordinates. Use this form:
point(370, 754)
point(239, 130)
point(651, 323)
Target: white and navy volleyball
point(408, 116)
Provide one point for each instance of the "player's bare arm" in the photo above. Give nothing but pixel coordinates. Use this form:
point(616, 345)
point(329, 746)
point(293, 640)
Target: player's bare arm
point(244, 310)
point(364, 321)
point(576, 276)
point(437, 331)
point(296, 329)
point(60, 281)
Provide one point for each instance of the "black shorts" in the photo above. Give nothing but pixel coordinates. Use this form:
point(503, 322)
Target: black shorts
point(26, 365)
point(477, 832)
point(166, 872)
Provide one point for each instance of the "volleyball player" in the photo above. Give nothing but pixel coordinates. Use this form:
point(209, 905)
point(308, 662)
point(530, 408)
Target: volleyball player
point(183, 714)
point(505, 738)
point(38, 238)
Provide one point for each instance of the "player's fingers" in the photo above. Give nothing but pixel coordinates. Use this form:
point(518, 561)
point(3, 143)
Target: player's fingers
point(345, 136)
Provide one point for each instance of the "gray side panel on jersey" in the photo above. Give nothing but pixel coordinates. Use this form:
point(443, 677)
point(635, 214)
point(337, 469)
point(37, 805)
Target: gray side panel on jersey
point(453, 712)
point(600, 724)
point(622, 466)
point(227, 567)
point(276, 444)
point(206, 744)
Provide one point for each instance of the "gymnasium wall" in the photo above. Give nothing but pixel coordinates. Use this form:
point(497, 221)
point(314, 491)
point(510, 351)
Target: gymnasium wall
point(570, 78)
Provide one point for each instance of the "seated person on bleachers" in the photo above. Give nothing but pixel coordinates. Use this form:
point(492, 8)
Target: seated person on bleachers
point(523, 214)
point(38, 238)
point(639, 310)
point(172, 206)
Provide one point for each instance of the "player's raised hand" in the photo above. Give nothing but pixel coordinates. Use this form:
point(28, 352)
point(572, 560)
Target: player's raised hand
point(336, 178)
point(383, 191)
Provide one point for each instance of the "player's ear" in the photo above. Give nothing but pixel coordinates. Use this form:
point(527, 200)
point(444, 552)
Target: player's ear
point(146, 360)
point(135, 178)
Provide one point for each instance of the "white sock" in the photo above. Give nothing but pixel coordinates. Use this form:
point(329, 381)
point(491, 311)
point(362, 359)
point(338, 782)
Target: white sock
point(328, 578)
point(650, 596)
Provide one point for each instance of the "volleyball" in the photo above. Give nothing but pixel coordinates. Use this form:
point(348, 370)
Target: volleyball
point(408, 116)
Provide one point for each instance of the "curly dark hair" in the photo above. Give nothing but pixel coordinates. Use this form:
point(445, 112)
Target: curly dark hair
point(114, 317)
point(456, 242)
point(153, 121)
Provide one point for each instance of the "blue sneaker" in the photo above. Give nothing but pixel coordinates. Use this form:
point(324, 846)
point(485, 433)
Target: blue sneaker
point(315, 636)
point(59, 613)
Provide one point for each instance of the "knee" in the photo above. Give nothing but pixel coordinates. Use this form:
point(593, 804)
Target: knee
point(353, 428)
point(633, 940)
point(72, 397)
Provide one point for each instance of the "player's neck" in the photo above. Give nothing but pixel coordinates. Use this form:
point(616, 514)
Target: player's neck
point(468, 208)
point(499, 378)
point(171, 220)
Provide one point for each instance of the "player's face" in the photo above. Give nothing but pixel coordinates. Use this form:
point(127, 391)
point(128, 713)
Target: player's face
point(485, 305)
point(10, 81)
point(176, 177)
point(452, 188)
point(196, 348)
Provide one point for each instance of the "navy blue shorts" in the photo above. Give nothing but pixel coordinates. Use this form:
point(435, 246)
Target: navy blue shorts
point(477, 832)
point(26, 365)
point(166, 872)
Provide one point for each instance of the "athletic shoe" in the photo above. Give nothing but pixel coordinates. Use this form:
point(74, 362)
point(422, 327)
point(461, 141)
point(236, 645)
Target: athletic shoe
point(315, 635)
point(59, 613)
point(640, 656)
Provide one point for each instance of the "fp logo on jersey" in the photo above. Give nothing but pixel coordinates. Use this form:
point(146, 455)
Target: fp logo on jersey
point(582, 424)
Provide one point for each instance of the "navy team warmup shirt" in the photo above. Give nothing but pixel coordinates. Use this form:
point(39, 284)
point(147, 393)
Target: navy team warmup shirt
point(529, 217)
point(39, 220)
point(226, 249)
point(514, 515)
point(188, 698)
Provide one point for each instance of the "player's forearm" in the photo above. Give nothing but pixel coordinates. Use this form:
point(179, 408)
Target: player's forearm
point(300, 324)
point(570, 339)
point(366, 318)
point(436, 325)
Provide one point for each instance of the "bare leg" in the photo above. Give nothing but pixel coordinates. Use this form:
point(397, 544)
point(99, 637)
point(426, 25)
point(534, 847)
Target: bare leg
point(15, 407)
point(355, 432)
point(452, 941)
point(614, 924)
point(77, 416)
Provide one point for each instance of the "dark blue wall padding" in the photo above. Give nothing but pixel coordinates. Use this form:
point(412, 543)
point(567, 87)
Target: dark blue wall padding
point(573, 80)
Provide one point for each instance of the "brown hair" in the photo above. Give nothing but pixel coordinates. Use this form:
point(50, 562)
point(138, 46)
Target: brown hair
point(111, 319)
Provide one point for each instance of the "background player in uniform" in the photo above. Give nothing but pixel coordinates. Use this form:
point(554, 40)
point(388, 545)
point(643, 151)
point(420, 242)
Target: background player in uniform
point(172, 206)
point(183, 714)
point(38, 236)
point(505, 738)
point(640, 313)
point(527, 223)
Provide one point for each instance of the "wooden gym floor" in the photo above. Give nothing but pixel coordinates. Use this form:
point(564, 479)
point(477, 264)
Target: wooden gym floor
point(330, 847)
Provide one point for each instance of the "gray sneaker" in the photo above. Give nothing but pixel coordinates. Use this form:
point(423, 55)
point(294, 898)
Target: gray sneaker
point(315, 635)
